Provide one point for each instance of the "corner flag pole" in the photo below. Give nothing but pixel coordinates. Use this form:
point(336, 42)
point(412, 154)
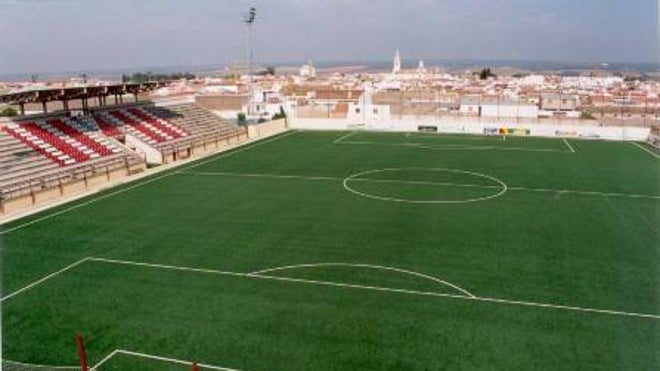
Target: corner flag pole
point(81, 352)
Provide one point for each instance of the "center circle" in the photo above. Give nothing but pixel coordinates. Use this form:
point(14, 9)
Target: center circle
point(425, 185)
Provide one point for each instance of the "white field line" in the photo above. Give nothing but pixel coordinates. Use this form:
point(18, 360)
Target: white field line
point(370, 266)
point(646, 149)
point(77, 206)
point(568, 145)
point(586, 193)
point(501, 191)
point(239, 150)
point(455, 147)
point(44, 279)
point(172, 360)
point(96, 199)
point(420, 182)
point(251, 175)
point(31, 366)
point(385, 289)
point(492, 138)
point(546, 190)
point(344, 136)
point(104, 360)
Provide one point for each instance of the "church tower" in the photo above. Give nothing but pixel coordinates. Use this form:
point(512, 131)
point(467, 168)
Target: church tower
point(397, 62)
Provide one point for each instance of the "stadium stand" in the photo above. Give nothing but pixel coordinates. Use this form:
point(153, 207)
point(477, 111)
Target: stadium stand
point(201, 125)
point(51, 155)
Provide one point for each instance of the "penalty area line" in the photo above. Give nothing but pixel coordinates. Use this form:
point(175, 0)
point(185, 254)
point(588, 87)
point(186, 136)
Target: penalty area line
point(454, 147)
point(646, 150)
point(387, 289)
point(158, 358)
point(44, 279)
point(338, 140)
point(568, 145)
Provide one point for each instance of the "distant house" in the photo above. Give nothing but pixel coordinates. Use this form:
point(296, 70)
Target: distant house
point(559, 102)
point(470, 105)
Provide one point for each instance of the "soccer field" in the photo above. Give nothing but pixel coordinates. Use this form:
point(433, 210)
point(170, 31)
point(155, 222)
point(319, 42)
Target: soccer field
point(351, 251)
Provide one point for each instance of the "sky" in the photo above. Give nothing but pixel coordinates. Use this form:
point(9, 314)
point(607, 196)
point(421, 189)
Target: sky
point(39, 36)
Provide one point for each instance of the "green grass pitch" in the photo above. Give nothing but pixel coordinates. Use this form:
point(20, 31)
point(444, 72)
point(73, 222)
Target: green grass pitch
point(352, 251)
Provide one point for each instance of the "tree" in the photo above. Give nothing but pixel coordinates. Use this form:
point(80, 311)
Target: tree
point(269, 71)
point(485, 74)
point(586, 115)
point(241, 119)
point(9, 112)
point(280, 115)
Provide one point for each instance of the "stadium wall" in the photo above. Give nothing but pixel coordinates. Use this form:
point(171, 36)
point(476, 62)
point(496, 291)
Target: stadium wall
point(558, 130)
point(267, 128)
point(64, 189)
point(153, 156)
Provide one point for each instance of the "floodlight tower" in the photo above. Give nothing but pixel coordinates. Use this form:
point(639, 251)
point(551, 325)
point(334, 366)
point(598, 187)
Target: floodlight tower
point(249, 20)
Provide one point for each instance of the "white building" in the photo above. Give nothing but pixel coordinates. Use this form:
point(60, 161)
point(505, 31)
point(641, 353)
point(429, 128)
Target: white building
point(510, 110)
point(308, 70)
point(470, 105)
point(360, 112)
point(396, 68)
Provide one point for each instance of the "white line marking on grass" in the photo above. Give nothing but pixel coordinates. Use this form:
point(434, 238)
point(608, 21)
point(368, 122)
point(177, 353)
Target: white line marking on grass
point(568, 145)
point(344, 137)
point(385, 289)
point(77, 206)
point(275, 176)
point(586, 193)
point(456, 147)
point(30, 366)
point(646, 149)
point(371, 266)
point(104, 360)
point(44, 279)
point(303, 177)
point(241, 149)
point(99, 198)
point(172, 360)
point(501, 186)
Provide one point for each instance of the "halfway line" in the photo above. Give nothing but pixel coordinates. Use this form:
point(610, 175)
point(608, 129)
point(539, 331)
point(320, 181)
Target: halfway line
point(303, 177)
point(240, 148)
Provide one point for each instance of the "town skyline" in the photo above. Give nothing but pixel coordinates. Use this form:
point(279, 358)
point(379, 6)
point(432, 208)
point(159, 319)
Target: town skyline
point(46, 35)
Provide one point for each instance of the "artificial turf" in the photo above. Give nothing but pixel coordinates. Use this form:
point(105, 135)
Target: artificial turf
point(577, 225)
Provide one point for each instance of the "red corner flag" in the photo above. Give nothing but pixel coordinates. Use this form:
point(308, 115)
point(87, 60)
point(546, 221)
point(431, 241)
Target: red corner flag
point(195, 367)
point(81, 352)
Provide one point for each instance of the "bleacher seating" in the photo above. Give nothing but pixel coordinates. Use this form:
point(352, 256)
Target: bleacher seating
point(140, 123)
point(64, 141)
point(53, 148)
point(163, 127)
point(17, 158)
point(50, 150)
point(196, 121)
